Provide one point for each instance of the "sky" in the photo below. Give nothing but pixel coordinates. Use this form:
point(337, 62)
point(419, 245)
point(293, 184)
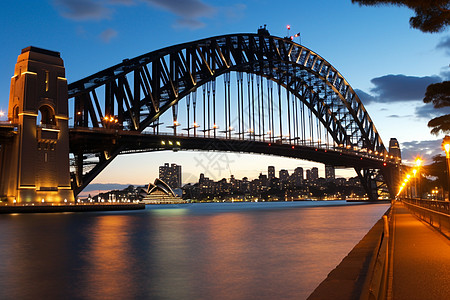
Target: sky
point(388, 63)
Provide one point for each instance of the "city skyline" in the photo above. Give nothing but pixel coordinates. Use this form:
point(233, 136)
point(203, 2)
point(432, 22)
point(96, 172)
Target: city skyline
point(91, 37)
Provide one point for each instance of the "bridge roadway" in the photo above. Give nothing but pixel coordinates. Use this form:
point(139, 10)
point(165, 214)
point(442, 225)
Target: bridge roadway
point(90, 140)
point(419, 264)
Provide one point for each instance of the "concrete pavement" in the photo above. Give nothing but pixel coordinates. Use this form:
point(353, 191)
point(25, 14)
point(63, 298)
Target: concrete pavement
point(421, 258)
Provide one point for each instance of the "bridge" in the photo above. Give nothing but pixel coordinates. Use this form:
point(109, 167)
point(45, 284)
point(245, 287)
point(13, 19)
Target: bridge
point(253, 93)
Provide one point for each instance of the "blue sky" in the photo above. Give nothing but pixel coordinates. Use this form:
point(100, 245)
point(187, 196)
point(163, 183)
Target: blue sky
point(374, 48)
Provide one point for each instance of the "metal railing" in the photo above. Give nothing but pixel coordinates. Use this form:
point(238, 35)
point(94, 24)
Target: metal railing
point(435, 213)
point(376, 284)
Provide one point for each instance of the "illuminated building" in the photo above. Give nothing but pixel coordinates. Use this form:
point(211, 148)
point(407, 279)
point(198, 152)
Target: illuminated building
point(270, 172)
point(394, 150)
point(284, 175)
point(329, 172)
point(171, 175)
point(160, 192)
point(38, 166)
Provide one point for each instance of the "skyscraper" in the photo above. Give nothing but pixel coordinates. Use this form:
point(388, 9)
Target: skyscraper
point(329, 172)
point(394, 149)
point(171, 175)
point(271, 172)
point(314, 173)
point(284, 175)
point(297, 176)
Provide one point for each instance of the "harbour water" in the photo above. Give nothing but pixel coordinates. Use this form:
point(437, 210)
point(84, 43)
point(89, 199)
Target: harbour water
point(189, 251)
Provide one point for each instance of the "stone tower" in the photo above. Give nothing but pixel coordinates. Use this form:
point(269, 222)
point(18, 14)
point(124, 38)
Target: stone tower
point(35, 166)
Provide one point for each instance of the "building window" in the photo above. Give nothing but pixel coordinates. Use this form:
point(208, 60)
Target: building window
point(47, 75)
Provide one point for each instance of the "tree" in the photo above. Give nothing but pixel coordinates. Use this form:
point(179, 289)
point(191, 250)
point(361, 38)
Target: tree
point(431, 15)
point(438, 170)
point(439, 95)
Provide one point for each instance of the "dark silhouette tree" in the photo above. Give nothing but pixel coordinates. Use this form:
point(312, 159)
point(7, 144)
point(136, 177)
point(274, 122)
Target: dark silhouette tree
point(439, 95)
point(431, 15)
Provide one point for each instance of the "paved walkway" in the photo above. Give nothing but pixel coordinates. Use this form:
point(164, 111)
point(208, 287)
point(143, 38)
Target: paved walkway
point(421, 259)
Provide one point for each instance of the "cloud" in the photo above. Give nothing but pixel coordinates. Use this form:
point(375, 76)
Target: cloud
point(365, 97)
point(82, 10)
point(107, 35)
point(188, 11)
point(427, 111)
point(444, 44)
point(398, 88)
point(445, 73)
point(188, 23)
point(425, 149)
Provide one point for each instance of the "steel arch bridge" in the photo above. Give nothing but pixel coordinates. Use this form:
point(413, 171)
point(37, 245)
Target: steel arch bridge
point(116, 109)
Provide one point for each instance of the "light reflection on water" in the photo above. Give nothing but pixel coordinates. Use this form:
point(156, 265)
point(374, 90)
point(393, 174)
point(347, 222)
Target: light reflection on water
point(195, 251)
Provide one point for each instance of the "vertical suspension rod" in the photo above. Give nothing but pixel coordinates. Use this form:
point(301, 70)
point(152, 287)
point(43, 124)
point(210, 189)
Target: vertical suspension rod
point(188, 102)
point(262, 108)
point(279, 112)
point(214, 105)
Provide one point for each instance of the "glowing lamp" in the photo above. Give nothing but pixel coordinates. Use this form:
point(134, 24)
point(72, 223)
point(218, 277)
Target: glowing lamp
point(418, 162)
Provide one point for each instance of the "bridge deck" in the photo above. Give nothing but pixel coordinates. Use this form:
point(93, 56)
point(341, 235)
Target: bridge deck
point(421, 258)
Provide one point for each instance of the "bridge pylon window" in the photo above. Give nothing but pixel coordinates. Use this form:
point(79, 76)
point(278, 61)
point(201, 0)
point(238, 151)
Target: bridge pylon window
point(46, 116)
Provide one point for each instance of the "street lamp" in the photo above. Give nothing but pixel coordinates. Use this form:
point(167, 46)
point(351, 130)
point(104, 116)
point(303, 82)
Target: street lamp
point(415, 182)
point(418, 164)
point(446, 144)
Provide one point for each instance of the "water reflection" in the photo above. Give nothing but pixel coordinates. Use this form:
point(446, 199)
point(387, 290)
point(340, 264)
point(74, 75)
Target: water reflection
point(190, 252)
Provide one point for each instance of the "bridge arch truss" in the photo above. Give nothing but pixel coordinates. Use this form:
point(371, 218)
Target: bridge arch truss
point(133, 95)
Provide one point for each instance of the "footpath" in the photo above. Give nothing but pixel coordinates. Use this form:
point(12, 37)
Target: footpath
point(421, 259)
point(418, 266)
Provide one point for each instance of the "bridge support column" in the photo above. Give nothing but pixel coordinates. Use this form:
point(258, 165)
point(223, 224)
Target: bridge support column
point(35, 166)
point(374, 183)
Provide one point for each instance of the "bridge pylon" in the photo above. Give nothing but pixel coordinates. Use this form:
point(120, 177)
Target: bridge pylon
point(35, 164)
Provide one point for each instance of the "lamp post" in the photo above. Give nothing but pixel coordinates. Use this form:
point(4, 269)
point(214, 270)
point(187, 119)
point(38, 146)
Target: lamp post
point(418, 164)
point(446, 144)
point(415, 183)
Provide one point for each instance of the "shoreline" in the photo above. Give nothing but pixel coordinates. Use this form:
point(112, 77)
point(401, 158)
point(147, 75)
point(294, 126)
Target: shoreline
point(69, 208)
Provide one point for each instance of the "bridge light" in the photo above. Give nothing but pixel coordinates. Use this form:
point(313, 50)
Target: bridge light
point(178, 143)
point(163, 142)
point(170, 143)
